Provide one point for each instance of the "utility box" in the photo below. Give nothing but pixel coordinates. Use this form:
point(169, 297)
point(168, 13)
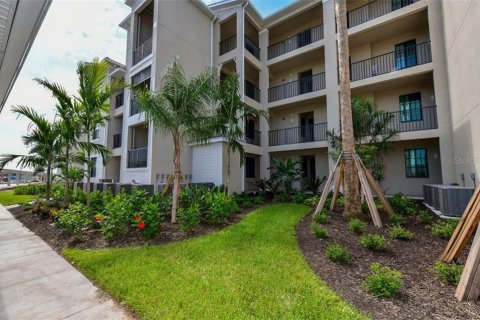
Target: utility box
point(449, 200)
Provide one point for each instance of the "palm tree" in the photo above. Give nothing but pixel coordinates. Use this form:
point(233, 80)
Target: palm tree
point(66, 110)
point(92, 110)
point(179, 109)
point(43, 140)
point(286, 172)
point(231, 114)
point(352, 194)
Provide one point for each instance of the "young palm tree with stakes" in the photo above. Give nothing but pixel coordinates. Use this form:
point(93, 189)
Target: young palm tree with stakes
point(179, 109)
point(231, 113)
point(43, 140)
point(92, 111)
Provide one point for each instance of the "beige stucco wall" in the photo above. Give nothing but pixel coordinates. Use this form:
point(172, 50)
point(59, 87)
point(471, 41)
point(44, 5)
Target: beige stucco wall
point(292, 74)
point(395, 176)
point(462, 47)
point(290, 118)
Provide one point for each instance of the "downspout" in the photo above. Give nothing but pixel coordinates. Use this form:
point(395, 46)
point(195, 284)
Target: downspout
point(212, 39)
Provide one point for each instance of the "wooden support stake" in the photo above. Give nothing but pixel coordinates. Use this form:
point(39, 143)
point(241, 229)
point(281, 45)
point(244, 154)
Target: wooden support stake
point(469, 286)
point(339, 183)
point(167, 184)
point(377, 189)
point(368, 194)
point(326, 189)
point(450, 253)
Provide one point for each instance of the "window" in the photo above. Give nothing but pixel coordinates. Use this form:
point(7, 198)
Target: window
point(250, 167)
point(96, 132)
point(416, 164)
point(411, 107)
point(405, 55)
point(119, 100)
point(93, 169)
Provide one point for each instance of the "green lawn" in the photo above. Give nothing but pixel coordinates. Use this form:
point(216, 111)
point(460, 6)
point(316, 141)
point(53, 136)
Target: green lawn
point(251, 270)
point(7, 198)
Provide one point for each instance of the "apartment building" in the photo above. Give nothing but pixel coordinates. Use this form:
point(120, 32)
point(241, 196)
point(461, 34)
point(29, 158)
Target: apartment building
point(287, 63)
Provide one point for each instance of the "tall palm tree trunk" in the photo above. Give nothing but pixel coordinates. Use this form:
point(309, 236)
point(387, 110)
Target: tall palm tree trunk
point(176, 179)
point(66, 190)
point(49, 180)
point(352, 197)
point(229, 168)
point(89, 171)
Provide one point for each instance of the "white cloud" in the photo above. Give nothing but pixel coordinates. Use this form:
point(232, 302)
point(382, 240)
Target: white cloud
point(72, 31)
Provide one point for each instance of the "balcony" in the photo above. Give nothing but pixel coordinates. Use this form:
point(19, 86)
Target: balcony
point(137, 158)
point(142, 51)
point(228, 45)
point(298, 87)
point(253, 137)
point(117, 140)
point(299, 40)
point(302, 134)
point(407, 121)
point(252, 47)
point(251, 91)
point(119, 99)
point(390, 62)
point(375, 9)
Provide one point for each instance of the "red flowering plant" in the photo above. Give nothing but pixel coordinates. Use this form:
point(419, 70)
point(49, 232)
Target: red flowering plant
point(147, 219)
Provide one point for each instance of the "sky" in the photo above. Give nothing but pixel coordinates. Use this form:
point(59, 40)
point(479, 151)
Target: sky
point(72, 31)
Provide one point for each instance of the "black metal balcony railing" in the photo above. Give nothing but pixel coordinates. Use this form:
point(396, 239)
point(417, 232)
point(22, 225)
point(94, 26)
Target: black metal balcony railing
point(299, 40)
point(298, 87)
point(142, 51)
point(392, 61)
point(117, 140)
point(253, 137)
point(137, 158)
point(228, 44)
point(251, 91)
point(426, 119)
point(302, 134)
point(134, 109)
point(252, 47)
point(119, 99)
point(375, 9)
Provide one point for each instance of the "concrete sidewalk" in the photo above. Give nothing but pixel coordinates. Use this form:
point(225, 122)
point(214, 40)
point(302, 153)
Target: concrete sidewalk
point(37, 283)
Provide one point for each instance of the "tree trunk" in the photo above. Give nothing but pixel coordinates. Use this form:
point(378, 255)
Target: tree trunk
point(49, 180)
point(352, 197)
point(176, 180)
point(89, 170)
point(228, 168)
point(66, 195)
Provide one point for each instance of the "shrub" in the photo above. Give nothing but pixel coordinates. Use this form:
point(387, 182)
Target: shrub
point(189, 218)
point(259, 200)
point(117, 215)
point(30, 189)
point(74, 219)
point(281, 197)
point(26, 206)
point(78, 196)
point(58, 192)
point(96, 201)
point(398, 232)
point(356, 225)
point(147, 219)
point(395, 219)
point(321, 217)
point(220, 207)
point(247, 204)
point(299, 197)
point(338, 253)
point(374, 242)
point(424, 217)
point(318, 230)
point(448, 273)
point(384, 281)
point(402, 205)
point(194, 196)
point(444, 229)
point(41, 208)
point(312, 201)
point(341, 202)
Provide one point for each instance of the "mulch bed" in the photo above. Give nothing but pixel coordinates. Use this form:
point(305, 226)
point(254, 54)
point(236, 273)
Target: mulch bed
point(423, 295)
point(93, 239)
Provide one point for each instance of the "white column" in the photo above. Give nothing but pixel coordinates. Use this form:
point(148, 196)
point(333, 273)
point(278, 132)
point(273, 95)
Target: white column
point(264, 84)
